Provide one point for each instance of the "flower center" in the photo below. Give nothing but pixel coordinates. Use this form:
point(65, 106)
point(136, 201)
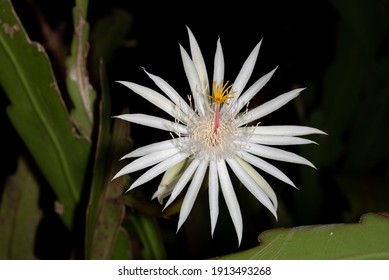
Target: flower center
point(210, 143)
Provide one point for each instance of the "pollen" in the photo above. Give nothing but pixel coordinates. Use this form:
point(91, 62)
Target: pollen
point(221, 93)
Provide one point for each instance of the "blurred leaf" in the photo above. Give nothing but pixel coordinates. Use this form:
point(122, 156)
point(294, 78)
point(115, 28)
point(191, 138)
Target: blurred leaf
point(311, 194)
point(341, 90)
point(149, 234)
point(364, 193)
point(122, 248)
point(106, 209)
point(368, 136)
point(367, 239)
point(107, 34)
point(362, 26)
point(83, 6)
point(367, 20)
point(19, 214)
point(38, 113)
point(80, 90)
point(353, 108)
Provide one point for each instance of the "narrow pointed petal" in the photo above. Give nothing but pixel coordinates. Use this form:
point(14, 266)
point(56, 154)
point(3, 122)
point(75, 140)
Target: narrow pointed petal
point(171, 93)
point(194, 81)
point(184, 179)
point(276, 154)
point(153, 97)
point(192, 193)
point(287, 130)
point(260, 181)
point(230, 198)
point(218, 71)
point(148, 160)
point(155, 122)
point(251, 185)
point(152, 148)
point(268, 107)
point(158, 169)
point(169, 180)
point(277, 140)
point(198, 62)
point(245, 73)
point(265, 166)
point(213, 192)
point(252, 91)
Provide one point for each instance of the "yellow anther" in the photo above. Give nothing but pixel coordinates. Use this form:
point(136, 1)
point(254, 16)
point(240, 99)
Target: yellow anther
point(221, 93)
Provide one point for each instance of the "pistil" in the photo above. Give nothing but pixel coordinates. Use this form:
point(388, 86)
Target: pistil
point(217, 118)
point(221, 93)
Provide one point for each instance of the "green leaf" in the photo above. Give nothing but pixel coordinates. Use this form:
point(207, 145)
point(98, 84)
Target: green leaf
point(108, 33)
point(122, 249)
point(148, 232)
point(83, 5)
point(367, 239)
point(38, 113)
point(19, 214)
point(80, 90)
point(106, 211)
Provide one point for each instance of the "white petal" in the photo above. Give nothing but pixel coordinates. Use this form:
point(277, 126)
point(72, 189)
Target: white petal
point(245, 73)
point(260, 181)
point(184, 179)
point(169, 180)
point(230, 198)
point(158, 169)
point(268, 107)
point(147, 161)
point(251, 185)
point(218, 71)
point(153, 97)
point(276, 154)
point(194, 81)
point(213, 192)
point(198, 62)
point(171, 93)
point(265, 166)
point(276, 140)
point(148, 149)
point(162, 192)
point(252, 91)
point(287, 130)
point(192, 193)
point(155, 122)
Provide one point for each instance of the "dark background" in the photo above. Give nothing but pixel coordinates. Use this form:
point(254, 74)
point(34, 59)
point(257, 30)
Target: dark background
point(337, 49)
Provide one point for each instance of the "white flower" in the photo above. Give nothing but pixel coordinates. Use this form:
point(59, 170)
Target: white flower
point(212, 135)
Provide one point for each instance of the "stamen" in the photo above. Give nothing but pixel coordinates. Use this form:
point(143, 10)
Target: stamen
point(205, 143)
